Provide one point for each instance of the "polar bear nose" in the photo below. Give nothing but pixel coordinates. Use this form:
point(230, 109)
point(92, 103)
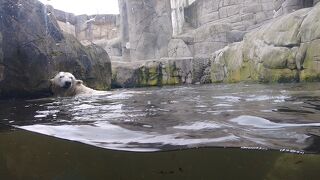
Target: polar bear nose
point(67, 84)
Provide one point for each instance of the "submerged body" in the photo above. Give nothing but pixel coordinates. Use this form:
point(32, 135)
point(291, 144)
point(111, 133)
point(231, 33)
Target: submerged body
point(64, 84)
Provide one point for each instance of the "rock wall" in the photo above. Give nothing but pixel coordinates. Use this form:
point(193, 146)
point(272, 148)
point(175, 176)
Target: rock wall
point(149, 26)
point(1, 59)
point(284, 50)
point(233, 41)
point(34, 49)
point(282, 7)
point(178, 15)
point(152, 73)
point(243, 15)
point(97, 29)
point(218, 23)
point(124, 30)
point(209, 25)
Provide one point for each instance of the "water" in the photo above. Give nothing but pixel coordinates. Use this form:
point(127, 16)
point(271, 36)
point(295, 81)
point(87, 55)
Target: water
point(26, 155)
point(248, 116)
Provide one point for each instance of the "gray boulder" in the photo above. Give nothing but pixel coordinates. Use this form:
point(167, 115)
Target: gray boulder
point(34, 49)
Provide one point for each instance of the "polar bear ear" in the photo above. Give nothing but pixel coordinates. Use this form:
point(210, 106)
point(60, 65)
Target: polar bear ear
point(79, 82)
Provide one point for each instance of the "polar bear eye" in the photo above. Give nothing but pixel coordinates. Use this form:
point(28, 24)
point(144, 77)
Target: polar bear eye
point(61, 77)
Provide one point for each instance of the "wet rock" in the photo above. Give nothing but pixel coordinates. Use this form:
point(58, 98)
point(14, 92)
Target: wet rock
point(166, 71)
point(125, 74)
point(311, 62)
point(34, 49)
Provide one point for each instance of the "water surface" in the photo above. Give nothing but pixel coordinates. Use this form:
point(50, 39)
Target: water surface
point(249, 116)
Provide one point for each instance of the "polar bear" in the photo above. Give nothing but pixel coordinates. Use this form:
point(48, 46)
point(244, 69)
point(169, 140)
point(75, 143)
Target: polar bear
point(64, 84)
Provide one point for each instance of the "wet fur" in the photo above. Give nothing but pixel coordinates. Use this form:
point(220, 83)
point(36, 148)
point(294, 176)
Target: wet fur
point(76, 88)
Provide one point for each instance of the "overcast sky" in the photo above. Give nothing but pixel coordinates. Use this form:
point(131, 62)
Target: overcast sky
point(85, 6)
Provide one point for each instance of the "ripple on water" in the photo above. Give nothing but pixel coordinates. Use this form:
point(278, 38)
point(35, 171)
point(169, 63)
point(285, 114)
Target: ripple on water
point(115, 137)
point(281, 117)
point(259, 122)
point(198, 126)
point(228, 98)
point(46, 113)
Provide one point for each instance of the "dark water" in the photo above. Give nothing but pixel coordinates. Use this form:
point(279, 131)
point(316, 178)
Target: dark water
point(280, 117)
point(25, 155)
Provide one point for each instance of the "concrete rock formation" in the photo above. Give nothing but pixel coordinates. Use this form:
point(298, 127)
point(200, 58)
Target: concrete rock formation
point(232, 41)
point(146, 28)
point(218, 23)
point(203, 33)
point(160, 43)
point(178, 48)
point(102, 30)
point(1, 59)
point(284, 50)
point(33, 49)
point(166, 71)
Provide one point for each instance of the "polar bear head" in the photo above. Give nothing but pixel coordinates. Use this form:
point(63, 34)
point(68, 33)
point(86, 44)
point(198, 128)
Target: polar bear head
point(64, 84)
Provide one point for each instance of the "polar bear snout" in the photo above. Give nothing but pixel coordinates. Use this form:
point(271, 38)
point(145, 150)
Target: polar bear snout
point(64, 80)
point(67, 84)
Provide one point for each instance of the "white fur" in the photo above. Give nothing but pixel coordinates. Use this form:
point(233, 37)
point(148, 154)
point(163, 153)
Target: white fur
point(65, 84)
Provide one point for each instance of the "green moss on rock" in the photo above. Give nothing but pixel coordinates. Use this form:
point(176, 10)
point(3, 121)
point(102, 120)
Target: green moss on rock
point(311, 65)
point(171, 74)
point(279, 75)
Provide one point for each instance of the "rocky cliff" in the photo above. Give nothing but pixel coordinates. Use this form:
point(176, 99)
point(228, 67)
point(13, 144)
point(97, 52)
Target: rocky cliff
point(33, 48)
point(230, 41)
point(284, 50)
point(146, 29)
point(101, 29)
point(210, 25)
point(160, 43)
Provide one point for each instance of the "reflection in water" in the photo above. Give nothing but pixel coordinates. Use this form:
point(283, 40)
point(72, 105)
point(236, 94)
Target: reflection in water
point(266, 124)
point(265, 116)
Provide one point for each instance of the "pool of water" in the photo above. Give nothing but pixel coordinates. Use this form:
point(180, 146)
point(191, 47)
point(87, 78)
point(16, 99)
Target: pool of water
point(283, 117)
